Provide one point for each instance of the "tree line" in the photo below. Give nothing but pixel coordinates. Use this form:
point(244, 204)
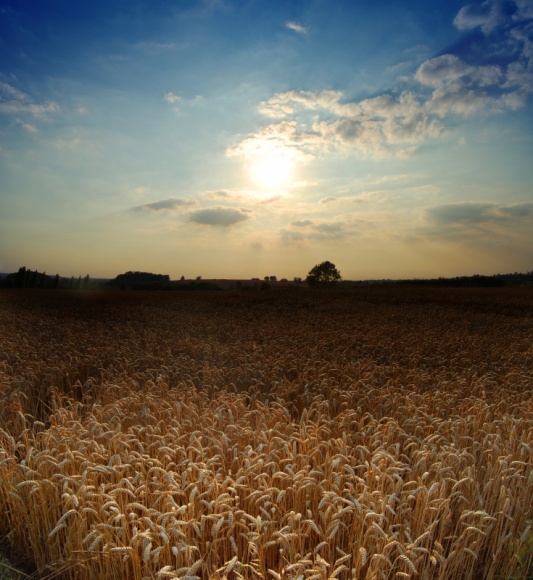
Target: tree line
point(323, 275)
point(26, 278)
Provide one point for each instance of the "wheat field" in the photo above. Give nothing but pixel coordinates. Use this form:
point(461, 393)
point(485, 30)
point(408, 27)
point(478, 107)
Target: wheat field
point(374, 433)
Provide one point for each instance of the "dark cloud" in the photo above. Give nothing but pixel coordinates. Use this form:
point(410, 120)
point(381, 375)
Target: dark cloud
point(219, 216)
point(290, 236)
point(480, 225)
point(170, 204)
point(330, 228)
point(519, 210)
point(314, 231)
point(462, 213)
point(472, 213)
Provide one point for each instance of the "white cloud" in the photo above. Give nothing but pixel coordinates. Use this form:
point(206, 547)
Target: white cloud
point(172, 98)
point(15, 102)
point(296, 27)
point(513, 18)
point(8, 92)
point(450, 69)
point(394, 124)
point(519, 77)
point(28, 127)
point(486, 15)
point(374, 127)
point(460, 101)
point(283, 104)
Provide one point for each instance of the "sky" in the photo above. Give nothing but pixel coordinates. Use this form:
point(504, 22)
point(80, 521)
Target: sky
point(240, 139)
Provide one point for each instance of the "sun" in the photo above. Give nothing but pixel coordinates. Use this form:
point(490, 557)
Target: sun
point(272, 170)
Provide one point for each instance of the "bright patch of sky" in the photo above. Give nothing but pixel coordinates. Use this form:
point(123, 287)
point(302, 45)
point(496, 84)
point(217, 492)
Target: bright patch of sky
point(243, 139)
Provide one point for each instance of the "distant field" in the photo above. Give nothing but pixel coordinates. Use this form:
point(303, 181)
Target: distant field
point(377, 432)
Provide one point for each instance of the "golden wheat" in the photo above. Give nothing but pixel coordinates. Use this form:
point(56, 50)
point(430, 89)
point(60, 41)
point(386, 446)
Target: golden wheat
point(370, 434)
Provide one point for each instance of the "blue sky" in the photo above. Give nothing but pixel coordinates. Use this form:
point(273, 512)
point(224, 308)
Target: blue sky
point(244, 139)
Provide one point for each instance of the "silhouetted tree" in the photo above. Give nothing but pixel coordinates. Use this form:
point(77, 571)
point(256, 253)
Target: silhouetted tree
point(324, 274)
point(55, 283)
point(32, 279)
point(140, 281)
point(20, 278)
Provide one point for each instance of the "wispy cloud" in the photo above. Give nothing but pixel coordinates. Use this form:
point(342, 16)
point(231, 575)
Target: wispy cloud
point(519, 210)
point(468, 213)
point(172, 98)
point(28, 127)
point(291, 236)
point(153, 47)
point(16, 102)
point(330, 227)
point(316, 230)
point(166, 205)
point(302, 223)
point(296, 27)
point(378, 196)
point(220, 194)
point(219, 216)
point(462, 213)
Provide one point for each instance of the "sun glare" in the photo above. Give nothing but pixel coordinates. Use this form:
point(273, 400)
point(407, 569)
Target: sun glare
point(272, 170)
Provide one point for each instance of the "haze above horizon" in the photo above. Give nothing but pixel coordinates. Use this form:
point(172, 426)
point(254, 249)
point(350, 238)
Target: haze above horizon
point(242, 139)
